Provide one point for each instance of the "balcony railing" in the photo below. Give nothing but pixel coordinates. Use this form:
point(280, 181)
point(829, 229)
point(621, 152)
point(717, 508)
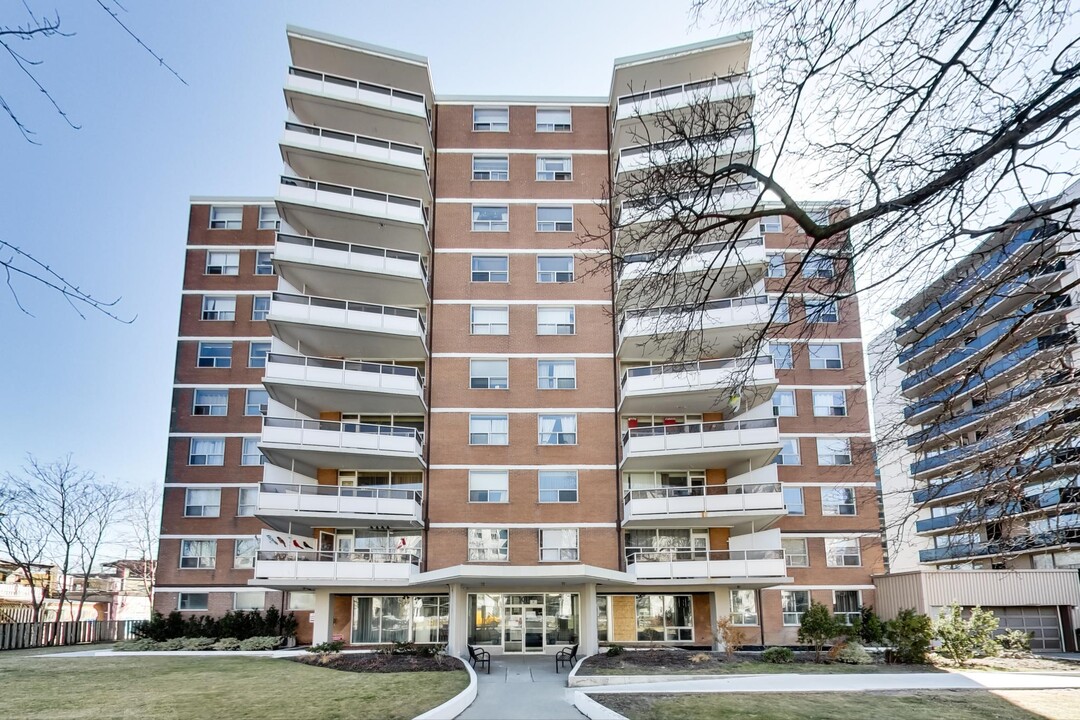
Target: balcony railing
point(693, 149)
point(675, 375)
point(672, 96)
point(359, 91)
point(363, 258)
point(1008, 546)
point(342, 435)
point(700, 435)
point(354, 374)
point(333, 565)
point(675, 311)
point(976, 481)
point(359, 145)
point(294, 498)
point(21, 593)
point(705, 499)
point(359, 200)
point(651, 209)
point(702, 249)
point(686, 563)
point(310, 308)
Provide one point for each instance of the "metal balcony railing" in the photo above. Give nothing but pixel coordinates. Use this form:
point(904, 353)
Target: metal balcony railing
point(367, 199)
point(675, 310)
point(699, 428)
point(361, 257)
point(350, 306)
point(365, 90)
point(698, 366)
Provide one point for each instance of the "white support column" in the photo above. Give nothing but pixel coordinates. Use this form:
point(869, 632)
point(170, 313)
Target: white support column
point(719, 610)
point(459, 619)
point(588, 639)
point(322, 617)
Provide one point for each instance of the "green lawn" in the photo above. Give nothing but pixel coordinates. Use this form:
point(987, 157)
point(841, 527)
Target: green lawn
point(210, 688)
point(914, 705)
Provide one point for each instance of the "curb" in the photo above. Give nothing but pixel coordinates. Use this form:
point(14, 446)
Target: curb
point(457, 704)
point(590, 681)
point(594, 710)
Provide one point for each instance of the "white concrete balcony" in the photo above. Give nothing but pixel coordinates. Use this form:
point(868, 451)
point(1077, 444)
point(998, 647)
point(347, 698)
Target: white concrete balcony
point(314, 385)
point(727, 267)
point(17, 593)
point(331, 444)
point(748, 567)
point(326, 567)
point(687, 446)
point(353, 159)
point(358, 106)
point(688, 206)
point(705, 152)
point(352, 271)
point(329, 210)
point(699, 387)
point(755, 497)
point(632, 108)
point(723, 326)
point(331, 327)
point(311, 505)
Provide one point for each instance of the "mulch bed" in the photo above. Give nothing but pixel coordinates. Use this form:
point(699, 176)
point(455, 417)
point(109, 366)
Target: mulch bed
point(378, 663)
point(690, 660)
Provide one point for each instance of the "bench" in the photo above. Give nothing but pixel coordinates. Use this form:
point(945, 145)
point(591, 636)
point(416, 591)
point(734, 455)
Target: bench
point(566, 655)
point(478, 656)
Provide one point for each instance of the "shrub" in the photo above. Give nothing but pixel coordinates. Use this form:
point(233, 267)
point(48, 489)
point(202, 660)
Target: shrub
point(731, 636)
point(614, 650)
point(233, 624)
point(327, 648)
point(229, 643)
point(962, 639)
point(171, 644)
point(778, 655)
point(909, 634)
point(137, 645)
point(198, 643)
point(698, 658)
point(1015, 642)
point(853, 653)
point(818, 627)
point(869, 628)
point(263, 642)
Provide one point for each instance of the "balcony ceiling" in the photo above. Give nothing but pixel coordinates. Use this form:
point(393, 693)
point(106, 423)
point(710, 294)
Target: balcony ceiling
point(346, 226)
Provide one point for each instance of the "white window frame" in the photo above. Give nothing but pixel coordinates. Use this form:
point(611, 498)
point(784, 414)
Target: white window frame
point(552, 382)
point(491, 175)
point(215, 361)
point(208, 456)
point(479, 225)
point(488, 327)
point(783, 311)
point(202, 607)
point(775, 353)
point(771, 224)
point(489, 276)
point(555, 276)
point(229, 222)
point(488, 544)
point(801, 506)
point(559, 544)
point(264, 262)
point(776, 267)
point(845, 617)
point(246, 561)
point(839, 552)
point(207, 402)
point(222, 262)
point(818, 362)
point(202, 507)
point(252, 358)
point(798, 559)
point(745, 615)
point(818, 311)
point(557, 225)
point(782, 459)
point(832, 452)
point(252, 502)
point(260, 313)
point(212, 313)
point(779, 408)
point(495, 490)
point(793, 617)
point(825, 403)
point(301, 601)
point(833, 505)
point(559, 327)
point(248, 404)
point(475, 435)
point(557, 492)
point(201, 562)
point(546, 174)
point(546, 127)
point(491, 125)
point(246, 455)
point(491, 382)
point(818, 265)
point(266, 222)
point(238, 606)
point(558, 435)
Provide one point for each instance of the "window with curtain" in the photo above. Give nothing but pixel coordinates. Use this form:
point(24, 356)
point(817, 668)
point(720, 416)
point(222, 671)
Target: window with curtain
point(559, 545)
point(489, 486)
point(555, 320)
point(558, 429)
point(207, 451)
point(556, 374)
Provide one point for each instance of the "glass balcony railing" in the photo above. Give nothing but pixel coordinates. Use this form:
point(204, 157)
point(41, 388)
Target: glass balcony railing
point(700, 435)
point(354, 199)
point(363, 258)
point(347, 312)
point(671, 563)
point(1010, 546)
point(673, 311)
point(361, 146)
point(982, 342)
point(359, 91)
point(975, 481)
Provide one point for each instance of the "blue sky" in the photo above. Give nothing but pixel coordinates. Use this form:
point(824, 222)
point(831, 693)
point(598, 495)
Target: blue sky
point(107, 204)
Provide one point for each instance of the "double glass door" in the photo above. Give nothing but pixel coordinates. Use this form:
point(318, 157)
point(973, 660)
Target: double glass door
point(523, 629)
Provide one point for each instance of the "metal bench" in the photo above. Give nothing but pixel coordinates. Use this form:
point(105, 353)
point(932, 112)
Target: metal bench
point(566, 655)
point(478, 656)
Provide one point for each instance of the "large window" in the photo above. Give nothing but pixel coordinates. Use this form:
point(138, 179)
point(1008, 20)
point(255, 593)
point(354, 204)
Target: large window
point(489, 544)
point(556, 374)
point(249, 600)
point(559, 545)
point(558, 218)
point(226, 218)
point(251, 454)
point(558, 429)
point(247, 498)
point(268, 220)
point(491, 119)
point(490, 167)
point(200, 502)
point(244, 553)
point(846, 606)
point(301, 600)
point(264, 262)
point(842, 552)
point(837, 501)
point(214, 354)
point(830, 403)
point(490, 268)
point(554, 168)
point(400, 618)
point(834, 451)
point(207, 451)
point(555, 268)
point(193, 601)
point(783, 403)
point(489, 429)
point(821, 311)
point(489, 374)
point(260, 307)
point(781, 356)
point(552, 119)
point(256, 401)
point(818, 266)
point(793, 500)
point(783, 312)
point(554, 320)
point(490, 218)
point(222, 263)
point(789, 452)
point(776, 266)
point(558, 486)
point(489, 486)
point(257, 352)
point(489, 320)
point(198, 554)
point(794, 603)
point(825, 356)
point(744, 607)
point(664, 618)
point(795, 554)
point(211, 401)
point(219, 307)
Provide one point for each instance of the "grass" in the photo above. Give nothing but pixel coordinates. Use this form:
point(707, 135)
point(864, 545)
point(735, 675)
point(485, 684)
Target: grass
point(911, 705)
point(237, 688)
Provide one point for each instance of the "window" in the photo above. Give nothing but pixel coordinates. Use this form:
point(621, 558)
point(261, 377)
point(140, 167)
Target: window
point(257, 354)
point(795, 554)
point(744, 607)
point(821, 311)
point(819, 216)
point(842, 552)
point(559, 545)
point(830, 403)
point(202, 502)
point(783, 403)
point(837, 501)
point(193, 601)
point(222, 263)
point(825, 356)
point(493, 320)
point(198, 554)
point(268, 220)
point(219, 307)
point(556, 374)
point(776, 266)
point(251, 454)
point(818, 266)
point(789, 452)
point(207, 451)
point(558, 486)
point(794, 603)
point(554, 320)
point(490, 268)
point(552, 269)
point(249, 600)
point(244, 553)
point(489, 486)
point(247, 498)
point(491, 119)
point(771, 224)
point(260, 307)
point(489, 374)
point(781, 356)
point(264, 264)
point(793, 501)
point(552, 119)
point(782, 314)
point(489, 429)
point(490, 167)
point(300, 601)
point(218, 355)
point(554, 168)
point(226, 218)
point(555, 218)
point(487, 544)
point(211, 402)
point(256, 401)
point(490, 218)
point(846, 606)
point(663, 618)
point(833, 451)
point(558, 429)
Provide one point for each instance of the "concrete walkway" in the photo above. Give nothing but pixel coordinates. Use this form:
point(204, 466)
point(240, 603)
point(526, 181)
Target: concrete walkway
point(522, 688)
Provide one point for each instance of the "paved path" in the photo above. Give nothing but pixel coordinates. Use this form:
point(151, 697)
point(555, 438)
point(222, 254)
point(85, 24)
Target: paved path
point(522, 688)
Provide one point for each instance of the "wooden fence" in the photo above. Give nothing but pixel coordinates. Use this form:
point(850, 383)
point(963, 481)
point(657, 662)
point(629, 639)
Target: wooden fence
point(14, 636)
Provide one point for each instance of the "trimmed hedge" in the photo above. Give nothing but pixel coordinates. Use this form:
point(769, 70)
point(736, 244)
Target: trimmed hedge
point(269, 642)
point(239, 625)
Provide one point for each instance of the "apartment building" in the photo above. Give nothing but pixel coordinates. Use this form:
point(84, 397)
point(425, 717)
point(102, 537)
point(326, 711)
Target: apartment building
point(470, 435)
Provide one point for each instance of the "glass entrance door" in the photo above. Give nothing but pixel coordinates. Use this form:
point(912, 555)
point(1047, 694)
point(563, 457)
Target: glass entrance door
point(534, 628)
point(523, 629)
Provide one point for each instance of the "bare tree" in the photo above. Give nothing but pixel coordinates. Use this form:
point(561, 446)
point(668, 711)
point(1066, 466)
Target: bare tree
point(24, 539)
point(142, 525)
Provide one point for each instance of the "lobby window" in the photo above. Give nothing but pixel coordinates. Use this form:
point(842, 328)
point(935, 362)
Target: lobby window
point(490, 218)
point(257, 352)
point(214, 354)
point(256, 400)
point(834, 451)
point(489, 544)
point(219, 307)
point(489, 374)
point(555, 320)
point(838, 501)
point(555, 269)
point(490, 268)
point(193, 601)
point(781, 356)
point(490, 167)
point(789, 452)
point(226, 218)
point(200, 502)
point(249, 600)
point(825, 356)
point(489, 320)
point(783, 403)
point(556, 374)
point(842, 552)
point(744, 607)
point(795, 554)
point(794, 603)
point(793, 500)
point(552, 119)
point(489, 486)
point(489, 429)
point(400, 618)
point(247, 498)
point(244, 553)
point(251, 454)
point(558, 429)
point(207, 451)
point(664, 618)
point(559, 545)
point(491, 119)
point(211, 402)
point(830, 403)
point(268, 220)
point(222, 263)
point(821, 311)
point(776, 266)
point(198, 554)
point(558, 486)
point(550, 169)
point(260, 307)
